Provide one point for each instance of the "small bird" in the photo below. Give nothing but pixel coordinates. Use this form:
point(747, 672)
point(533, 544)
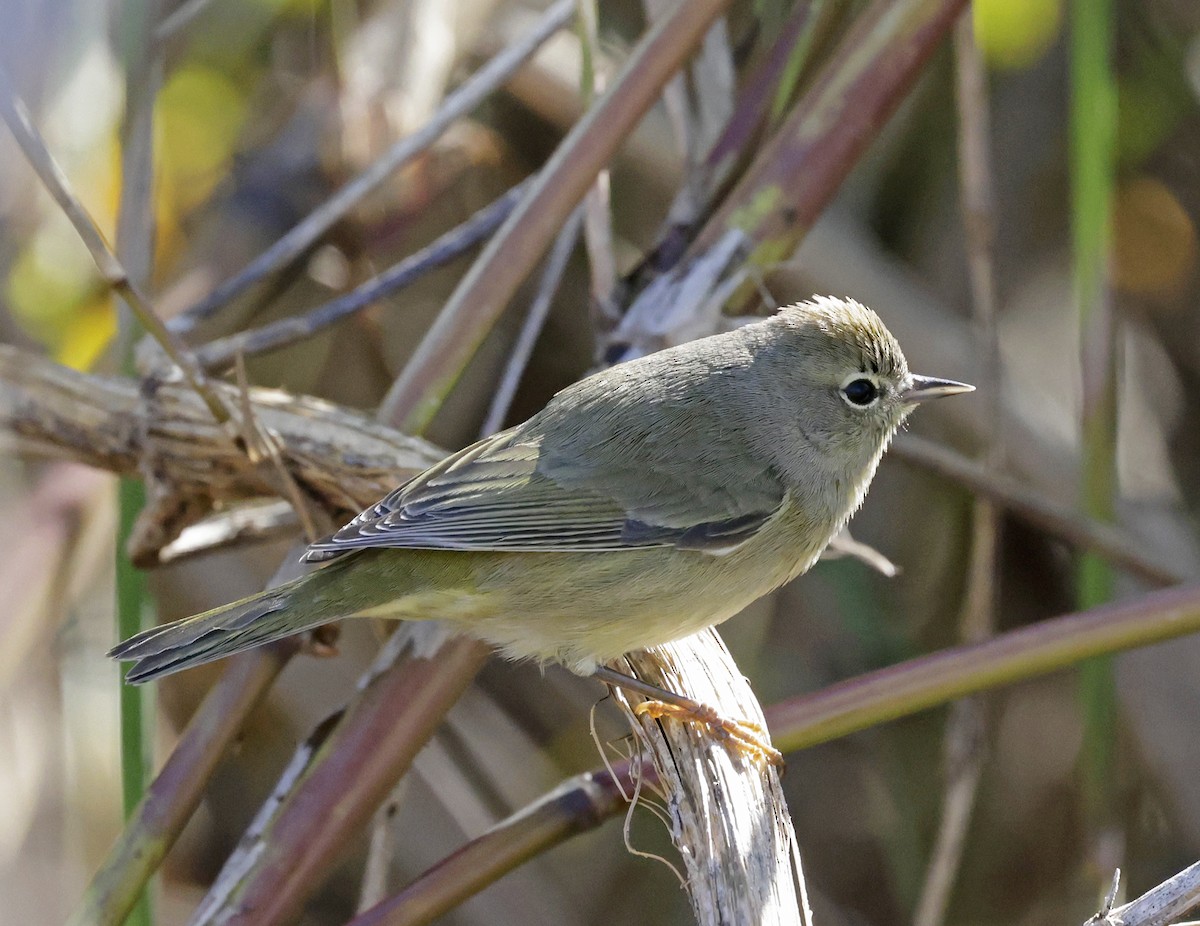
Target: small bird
point(644, 503)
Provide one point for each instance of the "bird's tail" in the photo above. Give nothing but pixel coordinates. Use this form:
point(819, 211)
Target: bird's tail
point(270, 615)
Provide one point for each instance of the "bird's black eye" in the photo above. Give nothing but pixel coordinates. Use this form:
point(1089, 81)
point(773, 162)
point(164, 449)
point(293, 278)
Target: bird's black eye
point(860, 392)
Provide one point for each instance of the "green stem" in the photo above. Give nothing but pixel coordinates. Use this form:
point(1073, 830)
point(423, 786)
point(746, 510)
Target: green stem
point(1093, 147)
point(136, 709)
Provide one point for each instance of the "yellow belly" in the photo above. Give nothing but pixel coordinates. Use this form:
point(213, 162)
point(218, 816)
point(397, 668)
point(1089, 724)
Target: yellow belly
point(581, 609)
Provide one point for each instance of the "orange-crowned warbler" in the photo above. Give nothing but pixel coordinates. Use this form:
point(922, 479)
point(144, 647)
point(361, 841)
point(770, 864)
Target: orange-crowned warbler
point(646, 502)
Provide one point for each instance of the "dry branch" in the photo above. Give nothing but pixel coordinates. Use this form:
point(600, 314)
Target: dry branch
point(339, 458)
point(1043, 511)
point(727, 809)
point(299, 835)
point(1162, 905)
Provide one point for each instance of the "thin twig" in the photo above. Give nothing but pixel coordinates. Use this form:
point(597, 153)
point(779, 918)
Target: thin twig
point(16, 116)
point(381, 851)
point(462, 101)
point(369, 749)
point(966, 728)
point(264, 449)
point(556, 265)
point(1044, 647)
point(509, 257)
point(448, 247)
point(597, 203)
point(699, 106)
point(963, 751)
point(773, 80)
point(674, 94)
point(713, 74)
point(136, 227)
point(1050, 515)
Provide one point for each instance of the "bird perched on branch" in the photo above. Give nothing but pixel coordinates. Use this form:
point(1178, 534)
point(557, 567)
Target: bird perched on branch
point(650, 500)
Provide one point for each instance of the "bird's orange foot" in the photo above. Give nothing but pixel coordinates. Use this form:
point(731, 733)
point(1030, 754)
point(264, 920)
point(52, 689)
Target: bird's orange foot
point(749, 739)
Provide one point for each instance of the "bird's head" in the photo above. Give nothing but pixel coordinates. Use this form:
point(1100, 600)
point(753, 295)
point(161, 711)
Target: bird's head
point(845, 380)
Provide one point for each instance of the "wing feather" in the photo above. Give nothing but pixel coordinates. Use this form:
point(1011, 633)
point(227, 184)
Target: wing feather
point(491, 496)
point(629, 479)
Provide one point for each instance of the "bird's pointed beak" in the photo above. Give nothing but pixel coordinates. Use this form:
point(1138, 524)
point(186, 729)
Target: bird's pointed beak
point(929, 387)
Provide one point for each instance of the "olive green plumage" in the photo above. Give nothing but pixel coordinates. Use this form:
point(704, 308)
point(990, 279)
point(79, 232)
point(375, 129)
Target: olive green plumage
point(646, 502)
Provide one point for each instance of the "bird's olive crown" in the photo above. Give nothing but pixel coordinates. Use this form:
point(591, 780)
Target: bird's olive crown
point(852, 331)
point(848, 349)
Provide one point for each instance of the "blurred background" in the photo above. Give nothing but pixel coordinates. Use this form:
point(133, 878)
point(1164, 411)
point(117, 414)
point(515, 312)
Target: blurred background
point(265, 107)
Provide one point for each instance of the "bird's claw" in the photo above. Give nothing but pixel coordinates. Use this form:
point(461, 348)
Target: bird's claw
point(750, 739)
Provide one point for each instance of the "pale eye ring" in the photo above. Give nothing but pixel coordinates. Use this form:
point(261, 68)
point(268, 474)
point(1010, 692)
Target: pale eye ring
point(860, 391)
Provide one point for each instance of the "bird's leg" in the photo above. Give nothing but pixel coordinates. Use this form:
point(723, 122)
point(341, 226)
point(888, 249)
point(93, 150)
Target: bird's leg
point(748, 738)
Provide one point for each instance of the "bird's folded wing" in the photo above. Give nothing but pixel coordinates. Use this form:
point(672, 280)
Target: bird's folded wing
point(502, 494)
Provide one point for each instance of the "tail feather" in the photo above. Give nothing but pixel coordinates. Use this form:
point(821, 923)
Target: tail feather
point(217, 633)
